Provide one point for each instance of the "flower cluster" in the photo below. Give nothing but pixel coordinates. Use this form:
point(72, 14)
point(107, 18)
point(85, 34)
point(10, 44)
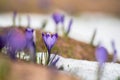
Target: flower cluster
point(16, 40)
point(60, 18)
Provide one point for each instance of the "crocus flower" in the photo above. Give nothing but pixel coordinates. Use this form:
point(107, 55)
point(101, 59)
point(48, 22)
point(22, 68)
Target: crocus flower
point(19, 41)
point(57, 17)
point(101, 55)
point(114, 51)
point(30, 43)
point(29, 33)
point(16, 42)
point(3, 37)
point(49, 40)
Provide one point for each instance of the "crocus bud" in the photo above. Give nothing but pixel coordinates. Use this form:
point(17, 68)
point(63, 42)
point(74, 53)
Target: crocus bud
point(101, 55)
point(57, 17)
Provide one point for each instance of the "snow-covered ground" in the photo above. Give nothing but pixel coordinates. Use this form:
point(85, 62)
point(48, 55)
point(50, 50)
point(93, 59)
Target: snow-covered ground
point(87, 70)
point(108, 26)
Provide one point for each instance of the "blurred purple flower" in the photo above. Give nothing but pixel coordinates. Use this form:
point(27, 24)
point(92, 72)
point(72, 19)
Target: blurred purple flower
point(58, 17)
point(3, 37)
point(49, 40)
point(101, 55)
point(30, 44)
point(69, 26)
point(18, 41)
point(29, 33)
point(114, 51)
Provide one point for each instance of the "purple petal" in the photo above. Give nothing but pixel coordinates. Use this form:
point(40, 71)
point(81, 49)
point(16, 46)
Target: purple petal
point(101, 55)
point(29, 34)
point(49, 40)
point(57, 17)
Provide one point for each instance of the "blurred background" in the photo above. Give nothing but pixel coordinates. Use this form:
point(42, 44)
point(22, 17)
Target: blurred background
point(69, 6)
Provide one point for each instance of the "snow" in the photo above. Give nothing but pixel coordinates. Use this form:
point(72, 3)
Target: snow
point(87, 70)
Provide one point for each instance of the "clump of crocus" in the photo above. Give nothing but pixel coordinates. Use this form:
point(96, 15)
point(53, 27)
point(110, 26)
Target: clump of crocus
point(49, 40)
point(114, 52)
point(18, 41)
point(101, 56)
point(58, 18)
point(14, 17)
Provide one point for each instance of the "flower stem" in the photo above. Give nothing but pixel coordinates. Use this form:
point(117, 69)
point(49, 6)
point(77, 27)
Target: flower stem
point(49, 52)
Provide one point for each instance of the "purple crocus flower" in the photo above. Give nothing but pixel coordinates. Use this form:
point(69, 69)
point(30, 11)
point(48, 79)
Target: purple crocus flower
point(114, 51)
point(3, 37)
point(101, 55)
point(29, 33)
point(16, 42)
point(49, 39)
point(19, 41)
point(69, 26)
point(30, 44)
point(57, 17)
